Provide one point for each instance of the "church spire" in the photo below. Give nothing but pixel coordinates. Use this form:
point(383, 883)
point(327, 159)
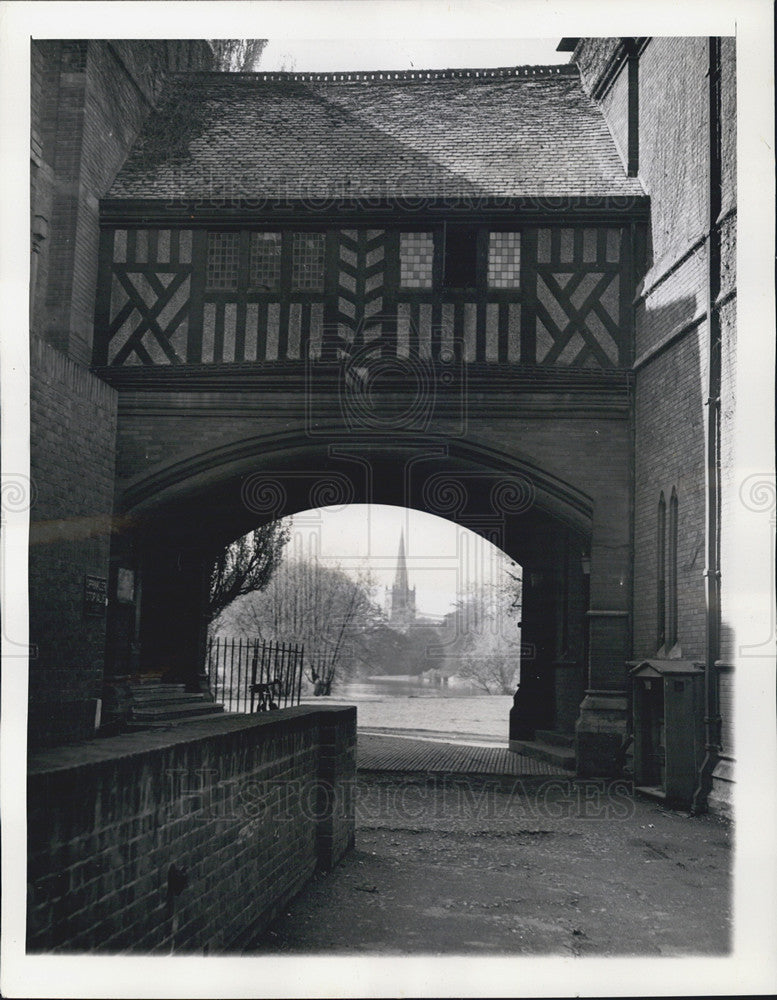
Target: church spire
point(402, 596)
point(400, 580)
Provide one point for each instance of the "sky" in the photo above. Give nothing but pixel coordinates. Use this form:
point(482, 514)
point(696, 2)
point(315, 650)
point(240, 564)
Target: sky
point(324, 55)
point(443, 558)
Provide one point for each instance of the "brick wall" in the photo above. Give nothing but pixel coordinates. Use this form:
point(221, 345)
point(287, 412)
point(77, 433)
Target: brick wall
point(44, 61)
point(671, 390)
point(72, 460)
point(729, 485)
point(615, 104)
point(670, 452)
point(668, 304)
point(592, 57)
point(57, 193)
point(673, 135)
point(728, 115)
point(89, 100)
point(249, 806)
point(591, 454)
point(670, 411)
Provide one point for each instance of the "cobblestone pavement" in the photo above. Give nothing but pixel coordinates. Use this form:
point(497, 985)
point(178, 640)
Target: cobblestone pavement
point(396, 753)
point(533, 864)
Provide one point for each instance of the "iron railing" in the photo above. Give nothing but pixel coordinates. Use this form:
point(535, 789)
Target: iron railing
point(252, 675)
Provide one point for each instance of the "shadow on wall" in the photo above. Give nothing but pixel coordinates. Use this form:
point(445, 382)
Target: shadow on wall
point(670, 455)
point(184, 125)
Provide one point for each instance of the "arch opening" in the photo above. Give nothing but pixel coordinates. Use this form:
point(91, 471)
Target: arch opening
point(391, 605)
point(177, 521)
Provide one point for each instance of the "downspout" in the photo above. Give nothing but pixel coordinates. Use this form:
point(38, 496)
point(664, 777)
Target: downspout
point(712, 519)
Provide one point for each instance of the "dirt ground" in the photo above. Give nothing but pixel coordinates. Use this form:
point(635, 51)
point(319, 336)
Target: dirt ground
point(456, 866)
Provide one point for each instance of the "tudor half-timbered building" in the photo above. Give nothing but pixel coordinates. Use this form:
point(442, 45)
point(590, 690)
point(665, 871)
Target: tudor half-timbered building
point(314, 242)
point(504, 296)
point(507, 231)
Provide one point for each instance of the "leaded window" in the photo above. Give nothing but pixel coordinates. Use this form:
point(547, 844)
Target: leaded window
point(416, 258)
point(223, 260)
point(265, 261)
point(307, 262)
point(504, 260)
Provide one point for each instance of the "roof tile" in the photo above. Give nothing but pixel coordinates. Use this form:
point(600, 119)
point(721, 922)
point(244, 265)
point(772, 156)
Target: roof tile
point(510, 133)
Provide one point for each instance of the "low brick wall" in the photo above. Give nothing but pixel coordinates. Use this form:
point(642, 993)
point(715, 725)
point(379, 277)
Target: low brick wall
point(246, 806)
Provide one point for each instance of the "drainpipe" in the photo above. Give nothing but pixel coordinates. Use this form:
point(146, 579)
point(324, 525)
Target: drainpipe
point(712, 525)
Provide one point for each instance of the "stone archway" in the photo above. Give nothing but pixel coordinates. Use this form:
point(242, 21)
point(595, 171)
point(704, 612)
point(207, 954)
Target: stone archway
point(179, 515)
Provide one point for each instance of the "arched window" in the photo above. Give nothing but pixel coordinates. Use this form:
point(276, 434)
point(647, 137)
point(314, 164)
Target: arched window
point(671, 617)
point(661, 574)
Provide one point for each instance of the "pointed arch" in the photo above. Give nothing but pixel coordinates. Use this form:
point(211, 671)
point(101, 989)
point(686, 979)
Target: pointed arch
point(671, 617)
point(661, 574)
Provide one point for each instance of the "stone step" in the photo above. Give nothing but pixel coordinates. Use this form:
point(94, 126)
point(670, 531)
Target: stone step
point(554, 738)
point(217, 712)
point(153, 687)
point(174, 710)
point(170, 693)
point(151, 683)
point(562, 757)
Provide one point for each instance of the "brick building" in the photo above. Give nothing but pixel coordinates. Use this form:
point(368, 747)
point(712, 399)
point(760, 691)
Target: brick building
point(551, 250)
point(134, 844)
point(89, 101)
point(671, 106)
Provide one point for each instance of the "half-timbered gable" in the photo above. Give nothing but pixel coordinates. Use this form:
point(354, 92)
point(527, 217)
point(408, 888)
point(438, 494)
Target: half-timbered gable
point(282, 217)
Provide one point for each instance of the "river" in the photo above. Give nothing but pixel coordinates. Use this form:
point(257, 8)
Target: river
point(403, 687)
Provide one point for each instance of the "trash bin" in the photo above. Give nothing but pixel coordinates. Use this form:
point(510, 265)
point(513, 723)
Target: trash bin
point(668, 718)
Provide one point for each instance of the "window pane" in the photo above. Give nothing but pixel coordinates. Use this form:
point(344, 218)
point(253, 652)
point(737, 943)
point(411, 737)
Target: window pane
point(308, 262)
point(504, 260)
point(416, 256)
point(265, 263)
point(223, 254)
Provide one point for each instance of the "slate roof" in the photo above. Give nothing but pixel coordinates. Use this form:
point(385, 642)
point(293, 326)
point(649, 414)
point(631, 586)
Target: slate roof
point(526, 132)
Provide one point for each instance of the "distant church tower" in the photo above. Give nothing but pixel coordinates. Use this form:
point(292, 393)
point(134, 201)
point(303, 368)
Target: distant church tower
point(402, 597)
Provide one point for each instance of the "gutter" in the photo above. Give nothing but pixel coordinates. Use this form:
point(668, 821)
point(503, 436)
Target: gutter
point(712, 720)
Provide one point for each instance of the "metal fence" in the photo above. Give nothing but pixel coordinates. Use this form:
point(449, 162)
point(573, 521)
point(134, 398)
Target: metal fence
point(251, 675)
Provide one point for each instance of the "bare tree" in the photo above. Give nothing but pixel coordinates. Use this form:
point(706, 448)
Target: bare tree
point(488, 643)
point(247, 565)
point(238, 55)
point(328, 610)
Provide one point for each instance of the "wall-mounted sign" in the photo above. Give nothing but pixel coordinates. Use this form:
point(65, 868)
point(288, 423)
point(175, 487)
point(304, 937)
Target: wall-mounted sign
point(125, 586)
point(95, 596)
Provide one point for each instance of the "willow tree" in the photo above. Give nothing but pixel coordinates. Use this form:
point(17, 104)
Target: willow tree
point(247, 565)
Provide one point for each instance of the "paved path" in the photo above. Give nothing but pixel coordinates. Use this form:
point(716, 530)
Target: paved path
point(483, 865)
point(398, 753)
point(464, 848)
